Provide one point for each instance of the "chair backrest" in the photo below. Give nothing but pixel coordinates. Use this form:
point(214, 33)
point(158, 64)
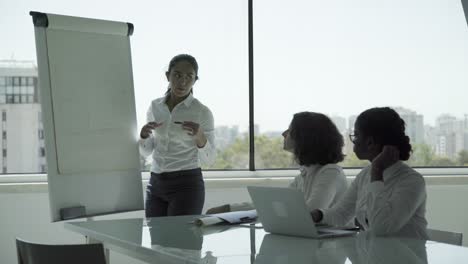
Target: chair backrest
point(465, 7)
point(31, 253)
point(445, 236)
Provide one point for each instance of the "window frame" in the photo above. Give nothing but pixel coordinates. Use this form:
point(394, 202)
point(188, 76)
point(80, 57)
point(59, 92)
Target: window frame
point(252, 172)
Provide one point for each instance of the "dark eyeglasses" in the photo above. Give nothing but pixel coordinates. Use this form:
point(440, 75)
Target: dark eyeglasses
point(353, 137)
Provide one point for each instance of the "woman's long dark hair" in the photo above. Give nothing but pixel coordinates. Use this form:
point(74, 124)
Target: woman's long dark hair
point(316, 139)
point(386, 127)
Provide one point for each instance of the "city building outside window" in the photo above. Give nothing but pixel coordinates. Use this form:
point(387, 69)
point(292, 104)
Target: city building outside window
point(42, 152)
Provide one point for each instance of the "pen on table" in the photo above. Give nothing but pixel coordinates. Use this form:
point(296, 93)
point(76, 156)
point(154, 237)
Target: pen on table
point(178, 122)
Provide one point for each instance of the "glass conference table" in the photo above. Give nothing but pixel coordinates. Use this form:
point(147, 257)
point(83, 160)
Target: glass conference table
point(176, 240)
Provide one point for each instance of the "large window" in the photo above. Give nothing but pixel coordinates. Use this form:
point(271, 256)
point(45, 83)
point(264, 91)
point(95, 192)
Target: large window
point(214, 32)
point(334, 57)
point(342, 57)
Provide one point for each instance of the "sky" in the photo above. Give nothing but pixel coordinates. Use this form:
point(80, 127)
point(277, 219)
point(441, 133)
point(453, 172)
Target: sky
point(336, 57)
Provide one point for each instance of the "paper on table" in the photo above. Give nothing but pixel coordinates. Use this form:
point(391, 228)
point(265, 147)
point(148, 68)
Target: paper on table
point(208, 220)
point(230, 217)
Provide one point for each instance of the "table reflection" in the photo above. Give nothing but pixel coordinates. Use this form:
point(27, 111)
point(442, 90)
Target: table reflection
point(287, 249)
point(185, 241)
point(177, 240)
point(386, 250)
point(362, 248)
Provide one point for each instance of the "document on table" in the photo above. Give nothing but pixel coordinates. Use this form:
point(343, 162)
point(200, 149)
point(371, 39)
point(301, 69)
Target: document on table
point(237, 217)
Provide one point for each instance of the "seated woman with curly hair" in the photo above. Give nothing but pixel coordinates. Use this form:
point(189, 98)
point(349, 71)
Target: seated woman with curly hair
point(317, 147)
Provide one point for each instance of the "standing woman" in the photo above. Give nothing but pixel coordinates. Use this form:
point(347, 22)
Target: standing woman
point(180, 136)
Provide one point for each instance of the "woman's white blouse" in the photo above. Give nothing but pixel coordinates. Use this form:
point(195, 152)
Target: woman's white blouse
point(322, 186)
point(172, 148)
point(396, 206)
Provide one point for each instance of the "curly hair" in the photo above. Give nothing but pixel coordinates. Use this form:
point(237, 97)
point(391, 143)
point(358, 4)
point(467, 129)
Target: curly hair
point(386, 127)
point(316, 139)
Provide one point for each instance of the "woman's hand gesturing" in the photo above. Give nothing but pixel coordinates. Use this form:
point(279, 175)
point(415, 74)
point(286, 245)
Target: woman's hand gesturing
point(147, 129)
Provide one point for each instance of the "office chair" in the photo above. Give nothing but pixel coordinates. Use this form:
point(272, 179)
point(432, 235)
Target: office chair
point(445, 237)
point(465, 8)
point(31, 253)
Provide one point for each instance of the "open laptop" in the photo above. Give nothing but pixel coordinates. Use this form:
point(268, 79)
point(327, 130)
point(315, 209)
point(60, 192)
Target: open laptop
point(283, 211)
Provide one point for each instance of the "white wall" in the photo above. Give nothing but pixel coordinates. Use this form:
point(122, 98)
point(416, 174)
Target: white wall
point(25, 214)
